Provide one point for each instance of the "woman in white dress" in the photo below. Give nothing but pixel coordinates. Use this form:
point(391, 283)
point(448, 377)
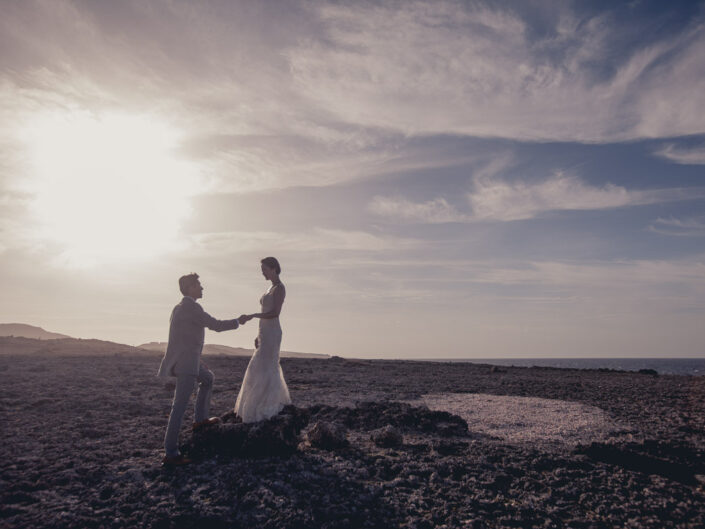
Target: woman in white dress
point(264, 392)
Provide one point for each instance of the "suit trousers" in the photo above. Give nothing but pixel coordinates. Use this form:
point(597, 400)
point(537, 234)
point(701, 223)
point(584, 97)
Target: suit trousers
point(182, 394)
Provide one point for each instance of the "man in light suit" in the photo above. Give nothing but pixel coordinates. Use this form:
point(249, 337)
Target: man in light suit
point(183, 361)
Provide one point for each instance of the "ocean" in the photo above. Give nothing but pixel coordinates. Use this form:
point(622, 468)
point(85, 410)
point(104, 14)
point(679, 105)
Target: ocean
point(664, 366)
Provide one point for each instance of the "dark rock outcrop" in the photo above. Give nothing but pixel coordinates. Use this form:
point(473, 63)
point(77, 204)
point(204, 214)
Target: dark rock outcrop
point(278, 436)
point(327, 435)
point(387, 437)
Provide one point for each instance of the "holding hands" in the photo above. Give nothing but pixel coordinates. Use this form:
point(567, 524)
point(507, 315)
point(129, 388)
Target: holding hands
point(244, 319)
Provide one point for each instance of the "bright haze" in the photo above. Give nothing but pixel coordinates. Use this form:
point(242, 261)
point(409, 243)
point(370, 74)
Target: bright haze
point(438, 179)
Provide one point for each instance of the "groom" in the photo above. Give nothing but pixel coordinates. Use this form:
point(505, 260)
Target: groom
point(183, 361)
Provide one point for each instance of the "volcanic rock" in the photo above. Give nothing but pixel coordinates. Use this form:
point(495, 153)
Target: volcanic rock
point(274, 437)
point(387, 437)
point(83, 443)
point(327, 435)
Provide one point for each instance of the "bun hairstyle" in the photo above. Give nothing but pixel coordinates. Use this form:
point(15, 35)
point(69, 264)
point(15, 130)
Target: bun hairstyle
point(271, 262)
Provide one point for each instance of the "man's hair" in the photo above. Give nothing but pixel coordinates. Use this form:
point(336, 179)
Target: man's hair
point(186, 281)
point(271, 262)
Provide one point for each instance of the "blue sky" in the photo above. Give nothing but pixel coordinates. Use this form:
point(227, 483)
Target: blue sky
point(439, 179)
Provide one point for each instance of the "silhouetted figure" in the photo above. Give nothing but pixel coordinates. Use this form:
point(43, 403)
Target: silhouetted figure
point(264, 393)
point(183, 361)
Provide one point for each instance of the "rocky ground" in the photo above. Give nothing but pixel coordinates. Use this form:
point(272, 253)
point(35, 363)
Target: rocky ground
point(82, 445)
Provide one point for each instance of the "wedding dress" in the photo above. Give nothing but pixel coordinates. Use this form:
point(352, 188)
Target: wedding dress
point(264, 392)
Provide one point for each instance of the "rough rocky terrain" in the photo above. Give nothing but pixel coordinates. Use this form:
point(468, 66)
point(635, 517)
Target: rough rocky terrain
point(82, 445)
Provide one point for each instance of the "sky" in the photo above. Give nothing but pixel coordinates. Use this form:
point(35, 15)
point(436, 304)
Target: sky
point(438, 179)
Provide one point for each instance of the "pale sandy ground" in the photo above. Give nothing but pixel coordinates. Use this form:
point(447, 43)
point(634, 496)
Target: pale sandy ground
point(520, 420)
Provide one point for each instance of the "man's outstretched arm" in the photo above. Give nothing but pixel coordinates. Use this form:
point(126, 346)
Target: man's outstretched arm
point(206, 320)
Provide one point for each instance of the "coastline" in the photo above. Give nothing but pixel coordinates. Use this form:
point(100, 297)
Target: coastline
point(694, 366)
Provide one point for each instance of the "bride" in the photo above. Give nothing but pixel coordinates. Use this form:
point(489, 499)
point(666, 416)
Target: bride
point(264, 392)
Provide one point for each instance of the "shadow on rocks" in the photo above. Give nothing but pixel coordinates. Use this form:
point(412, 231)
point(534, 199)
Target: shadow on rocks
point(675, 461)
point(368, 416)
point(282, 434)
point(278, 436)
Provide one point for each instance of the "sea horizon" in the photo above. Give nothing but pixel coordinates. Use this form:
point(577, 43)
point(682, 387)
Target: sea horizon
point(694, 366)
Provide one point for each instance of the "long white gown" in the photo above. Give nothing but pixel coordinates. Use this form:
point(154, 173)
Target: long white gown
point(264, 392)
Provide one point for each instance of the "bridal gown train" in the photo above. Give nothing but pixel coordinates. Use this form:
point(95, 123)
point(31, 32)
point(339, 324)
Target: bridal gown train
point(264, 392)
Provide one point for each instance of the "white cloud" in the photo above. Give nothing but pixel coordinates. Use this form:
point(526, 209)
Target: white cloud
point(319, 239)
point(475, 70)
point(692, 227)
point(500, 200)
point(624, 274)
point(235, 150)
point(255, 163)
point(435, 211)
point(670, 97)
point(505, 201)
point(683, 155)
point(565, 281)
point(334, 94)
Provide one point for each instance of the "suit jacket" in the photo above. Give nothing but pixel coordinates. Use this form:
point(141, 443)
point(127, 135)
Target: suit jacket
point(186, 334)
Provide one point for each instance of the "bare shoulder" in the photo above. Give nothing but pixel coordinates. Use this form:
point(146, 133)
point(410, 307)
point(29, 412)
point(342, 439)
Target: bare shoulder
point(280, 289)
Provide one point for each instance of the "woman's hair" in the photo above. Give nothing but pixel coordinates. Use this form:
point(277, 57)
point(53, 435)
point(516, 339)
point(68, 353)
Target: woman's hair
point(271, 262)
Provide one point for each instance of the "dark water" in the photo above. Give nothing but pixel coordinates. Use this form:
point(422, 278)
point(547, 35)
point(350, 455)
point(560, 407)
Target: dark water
point(664, 366)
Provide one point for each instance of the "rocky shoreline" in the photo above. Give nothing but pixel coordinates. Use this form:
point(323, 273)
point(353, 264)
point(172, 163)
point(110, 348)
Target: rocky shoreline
point(82, 437)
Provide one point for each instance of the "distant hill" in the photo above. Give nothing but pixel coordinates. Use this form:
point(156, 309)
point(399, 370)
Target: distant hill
point(207, 349)
point(215, 349)
point(64, 347)
point(20, 338)
point(28, 331)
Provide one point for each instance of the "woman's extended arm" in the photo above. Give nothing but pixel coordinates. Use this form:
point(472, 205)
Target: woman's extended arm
point(279, 295)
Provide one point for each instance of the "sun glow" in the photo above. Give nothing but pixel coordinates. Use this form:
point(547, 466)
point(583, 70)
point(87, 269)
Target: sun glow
point(108, 188)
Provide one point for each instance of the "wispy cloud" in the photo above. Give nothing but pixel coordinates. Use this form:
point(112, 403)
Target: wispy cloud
point(245, 163)
point(480, 71)
point(494, 199)
point(683, 155)
point(500, 200)
point(690, 227)
point(437, 211)
point(607, 275)
point(319, 239)
point(569, 282)
point(328, 98)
